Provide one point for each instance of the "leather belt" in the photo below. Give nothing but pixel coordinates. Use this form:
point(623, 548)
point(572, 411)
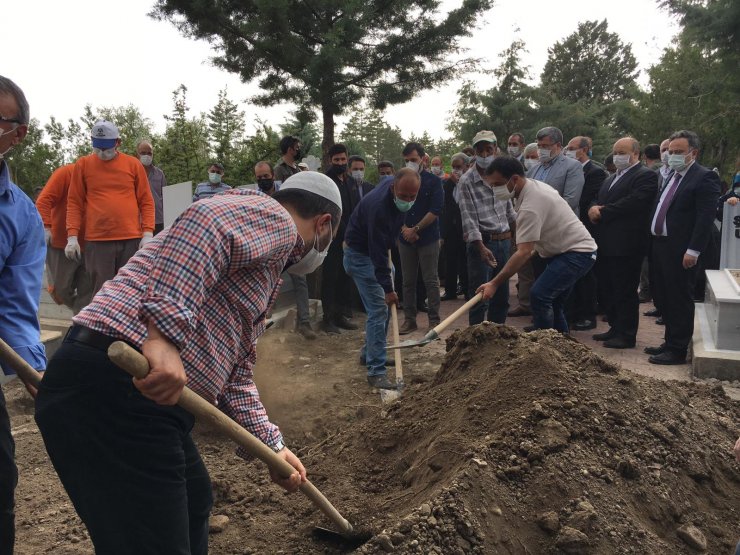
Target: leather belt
point(485, 236)
point(91, 338)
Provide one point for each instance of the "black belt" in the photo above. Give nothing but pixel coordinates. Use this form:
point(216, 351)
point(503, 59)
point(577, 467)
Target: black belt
point(486, 236)
point(91, 338)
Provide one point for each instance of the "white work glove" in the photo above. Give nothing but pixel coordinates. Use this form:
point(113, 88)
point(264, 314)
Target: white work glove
point(72, 250)
point(147, 238)
point(47, 236)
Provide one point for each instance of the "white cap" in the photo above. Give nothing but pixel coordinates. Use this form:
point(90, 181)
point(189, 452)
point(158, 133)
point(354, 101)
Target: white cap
point(104, 134)
point(316, 183)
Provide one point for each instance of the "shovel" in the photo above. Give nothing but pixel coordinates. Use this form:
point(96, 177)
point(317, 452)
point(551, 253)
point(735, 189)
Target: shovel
point(439, 328)
point(391, 395)
point(137, 365)
point(28, 375)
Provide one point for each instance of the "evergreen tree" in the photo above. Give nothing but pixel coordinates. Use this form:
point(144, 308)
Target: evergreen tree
point(226, 129)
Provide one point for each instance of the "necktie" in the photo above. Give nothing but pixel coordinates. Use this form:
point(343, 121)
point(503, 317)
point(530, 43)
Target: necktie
point(660, 218)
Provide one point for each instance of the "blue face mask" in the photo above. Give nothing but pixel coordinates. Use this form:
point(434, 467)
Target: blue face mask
point(403, 205)
point(590, 153)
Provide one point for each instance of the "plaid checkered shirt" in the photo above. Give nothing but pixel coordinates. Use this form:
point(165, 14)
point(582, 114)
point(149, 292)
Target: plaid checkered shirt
point(207, 283)
point(479, 211)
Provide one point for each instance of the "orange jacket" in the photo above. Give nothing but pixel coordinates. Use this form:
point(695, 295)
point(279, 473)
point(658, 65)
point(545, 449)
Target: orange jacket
point(52, 205)
point(112, 199)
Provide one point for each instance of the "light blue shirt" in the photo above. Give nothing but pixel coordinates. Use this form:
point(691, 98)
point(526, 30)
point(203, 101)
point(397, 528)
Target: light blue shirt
point(22, 254)
point(208, 189)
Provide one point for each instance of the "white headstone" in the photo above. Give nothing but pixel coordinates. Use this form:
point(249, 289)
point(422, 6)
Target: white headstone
point(176, 198)
point(730, 253)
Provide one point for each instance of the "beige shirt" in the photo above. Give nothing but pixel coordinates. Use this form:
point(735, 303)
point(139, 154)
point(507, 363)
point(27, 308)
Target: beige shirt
point(545, 219)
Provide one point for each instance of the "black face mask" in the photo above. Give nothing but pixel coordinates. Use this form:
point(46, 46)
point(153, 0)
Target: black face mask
point(298, 154)
point(265, 184)
point(337, 169)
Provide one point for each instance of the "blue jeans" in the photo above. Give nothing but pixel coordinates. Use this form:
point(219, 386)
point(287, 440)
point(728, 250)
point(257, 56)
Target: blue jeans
point(550, 291)
point(479, 272)
point(361, 269)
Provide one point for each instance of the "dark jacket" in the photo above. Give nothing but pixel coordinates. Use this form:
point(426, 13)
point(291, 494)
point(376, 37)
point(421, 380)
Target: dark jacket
point(451, 221)
point(350, 199)
point(429, 199)
point(594, 176)
point(691, 215)
point(624, 224)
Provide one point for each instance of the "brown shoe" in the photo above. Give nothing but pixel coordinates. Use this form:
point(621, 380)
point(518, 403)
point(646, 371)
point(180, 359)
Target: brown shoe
point(519, 311)
point(407, 327)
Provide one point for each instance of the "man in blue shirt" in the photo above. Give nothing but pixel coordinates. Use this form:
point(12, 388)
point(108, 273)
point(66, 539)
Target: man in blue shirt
point(22, 253)
point(419, 242)
point(372, 230)
point(214, 185)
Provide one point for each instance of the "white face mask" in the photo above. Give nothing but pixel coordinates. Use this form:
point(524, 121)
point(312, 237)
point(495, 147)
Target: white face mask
point(105, 155)
point(313, 258)
point(214, 178)
point(544, 154)
point(413, 165)
point(529, 163)
point(622, 161)
point(359, 175)
point(146, 159)
point(484, 161)
point(678, 162)
point(436, 170)
point(502, 193)
point(514, 151)
point(664, 158)
point(570, 154)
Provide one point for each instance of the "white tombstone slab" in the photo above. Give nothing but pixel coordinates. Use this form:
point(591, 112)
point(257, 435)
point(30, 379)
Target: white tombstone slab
point(730, 253)
point(723, 308)
point(176, 198)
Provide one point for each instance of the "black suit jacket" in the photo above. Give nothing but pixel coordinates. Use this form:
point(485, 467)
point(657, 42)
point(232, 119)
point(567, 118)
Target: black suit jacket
point(691, 214)
point(624, 224)
point(451, 220)
point(594, 176)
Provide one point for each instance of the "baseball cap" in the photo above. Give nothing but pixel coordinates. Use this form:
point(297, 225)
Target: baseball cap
point(487, 136)
point(104, 134)
point(316, 183)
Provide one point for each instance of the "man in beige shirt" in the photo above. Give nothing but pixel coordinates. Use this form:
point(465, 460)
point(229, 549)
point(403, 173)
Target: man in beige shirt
point(545, 224)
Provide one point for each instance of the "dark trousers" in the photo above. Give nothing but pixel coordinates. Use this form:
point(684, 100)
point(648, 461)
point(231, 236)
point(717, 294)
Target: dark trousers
point(456, 265)
point(618, 278)
point(479, 272)
point(103, 259)
point(336, 285)
point(673, 291)
point(8, 481)
point(129, 465)
point(581, 304)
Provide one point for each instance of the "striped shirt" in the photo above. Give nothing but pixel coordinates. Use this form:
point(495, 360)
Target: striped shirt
point(208, 189)
point(479, 211)
point(207, 283)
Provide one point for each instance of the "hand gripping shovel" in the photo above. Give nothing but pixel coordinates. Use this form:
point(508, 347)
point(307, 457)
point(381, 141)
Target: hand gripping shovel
point(443, 325)
point(25, 372)
point(137, 365)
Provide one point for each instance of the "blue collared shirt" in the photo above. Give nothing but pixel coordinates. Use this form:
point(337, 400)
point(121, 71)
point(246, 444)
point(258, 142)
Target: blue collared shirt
point(431, 198)
point(22, 254)
point(374, 227)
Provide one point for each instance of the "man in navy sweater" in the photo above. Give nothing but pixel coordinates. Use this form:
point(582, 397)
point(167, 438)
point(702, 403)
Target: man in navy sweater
point(372, 230)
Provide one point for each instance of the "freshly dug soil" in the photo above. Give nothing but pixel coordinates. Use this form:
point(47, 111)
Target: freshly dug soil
point(519, 443)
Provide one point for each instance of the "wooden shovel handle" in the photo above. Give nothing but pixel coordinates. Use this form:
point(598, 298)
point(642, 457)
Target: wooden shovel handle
point(137, 365)
point(25, 371)
point(444, 324)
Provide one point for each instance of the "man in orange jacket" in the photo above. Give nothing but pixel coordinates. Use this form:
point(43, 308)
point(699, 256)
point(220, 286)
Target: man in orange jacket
point(69, 282)
point(110, 194)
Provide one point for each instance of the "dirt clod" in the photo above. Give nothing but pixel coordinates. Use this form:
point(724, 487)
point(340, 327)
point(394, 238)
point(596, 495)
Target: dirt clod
point(217, 523)
point(693, 537)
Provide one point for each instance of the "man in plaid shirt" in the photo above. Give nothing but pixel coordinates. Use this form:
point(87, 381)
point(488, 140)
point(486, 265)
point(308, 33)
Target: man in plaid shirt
point(194, 301)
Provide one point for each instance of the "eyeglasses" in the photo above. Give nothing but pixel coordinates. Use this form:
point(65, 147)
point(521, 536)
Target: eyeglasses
point(10, 120)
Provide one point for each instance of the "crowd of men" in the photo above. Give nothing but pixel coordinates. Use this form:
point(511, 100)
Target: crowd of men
point(582, 239)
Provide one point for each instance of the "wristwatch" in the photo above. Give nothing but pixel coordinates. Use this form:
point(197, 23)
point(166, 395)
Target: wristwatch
point(279, 446)
point(417, 229)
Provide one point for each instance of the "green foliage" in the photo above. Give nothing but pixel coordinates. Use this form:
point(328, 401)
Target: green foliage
point(327, 53)
point(225, 130)
point(591, 66)
point(302, 124)
point(33, 160)
point(368, 135)
point(264, 144)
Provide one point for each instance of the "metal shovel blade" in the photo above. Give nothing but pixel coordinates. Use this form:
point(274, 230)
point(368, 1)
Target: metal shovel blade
point(428, 338)
point(392, 395)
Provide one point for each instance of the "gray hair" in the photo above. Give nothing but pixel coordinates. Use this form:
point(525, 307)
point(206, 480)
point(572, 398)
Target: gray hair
point(553, 132)
point(460, 156)
point(690, 136)
point(531, 147)
point(7, 87)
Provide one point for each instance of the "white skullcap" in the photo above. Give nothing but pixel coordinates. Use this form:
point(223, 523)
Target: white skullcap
point(316, 183)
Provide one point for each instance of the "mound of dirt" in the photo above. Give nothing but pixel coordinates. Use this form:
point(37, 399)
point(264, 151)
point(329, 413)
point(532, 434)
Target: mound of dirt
point(531, 443)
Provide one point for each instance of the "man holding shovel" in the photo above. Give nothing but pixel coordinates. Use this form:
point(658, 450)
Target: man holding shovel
point(373, 229)
point(547, 225)
point(194, 301)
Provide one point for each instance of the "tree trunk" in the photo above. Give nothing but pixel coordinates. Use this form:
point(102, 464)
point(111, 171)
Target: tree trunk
point(328, 139)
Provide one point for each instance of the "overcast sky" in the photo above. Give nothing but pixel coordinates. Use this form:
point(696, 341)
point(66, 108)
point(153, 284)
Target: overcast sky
point(66, 54)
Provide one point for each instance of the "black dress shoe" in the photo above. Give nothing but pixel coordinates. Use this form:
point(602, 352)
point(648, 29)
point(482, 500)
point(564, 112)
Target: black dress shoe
point(655, 350)
point(652, 312)
point(447, 297)
point(660, 321)
point(605, 336)
point(583, 325)
point(345, 323)
point(330, 327)
point(668, 357)
point(619, 343)
point(380, 382)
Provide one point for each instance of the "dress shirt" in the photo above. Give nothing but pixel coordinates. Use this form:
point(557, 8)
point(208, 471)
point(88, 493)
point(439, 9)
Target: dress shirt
point(620, 173)
point(207, 283)
point(480, 211)
point(666, 187)
point(22, 255)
